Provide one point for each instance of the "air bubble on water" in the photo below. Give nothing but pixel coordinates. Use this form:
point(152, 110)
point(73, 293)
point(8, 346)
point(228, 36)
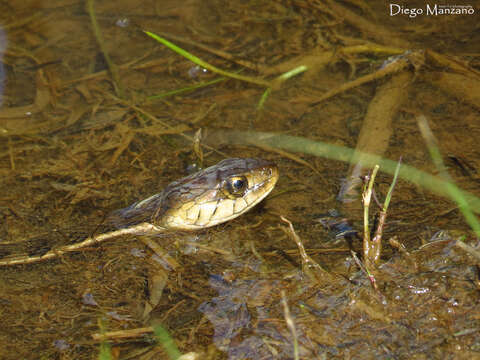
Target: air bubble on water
point(196, 71)
point(123, 22)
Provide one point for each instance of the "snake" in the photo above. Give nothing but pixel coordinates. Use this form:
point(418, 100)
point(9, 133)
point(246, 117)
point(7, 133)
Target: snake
point(204, 199)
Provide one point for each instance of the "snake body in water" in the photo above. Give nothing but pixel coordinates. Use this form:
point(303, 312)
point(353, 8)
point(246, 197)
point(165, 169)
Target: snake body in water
point(207, 198)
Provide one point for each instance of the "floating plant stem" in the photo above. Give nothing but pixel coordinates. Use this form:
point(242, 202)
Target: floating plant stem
point(234, 75)
point(368, 247)
point(187, 89)
point(101, 43)
point(376, 243)
point(205, 64)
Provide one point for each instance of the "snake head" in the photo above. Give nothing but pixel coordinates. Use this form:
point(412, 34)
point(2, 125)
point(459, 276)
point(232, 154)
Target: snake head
point(216, 194)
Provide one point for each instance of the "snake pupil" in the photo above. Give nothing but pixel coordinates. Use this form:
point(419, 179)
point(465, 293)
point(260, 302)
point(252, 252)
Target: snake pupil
point(237, 185)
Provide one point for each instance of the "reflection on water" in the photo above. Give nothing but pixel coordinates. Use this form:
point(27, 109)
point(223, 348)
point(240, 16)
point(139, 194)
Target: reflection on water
point(238, 332)
point(3, 47)
point(229, 314)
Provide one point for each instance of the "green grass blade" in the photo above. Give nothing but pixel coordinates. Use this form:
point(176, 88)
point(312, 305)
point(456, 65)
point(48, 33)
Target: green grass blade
point(167, 342)
point(453, 191)
point(341, 153)
point(186, 89)
point(204, 64)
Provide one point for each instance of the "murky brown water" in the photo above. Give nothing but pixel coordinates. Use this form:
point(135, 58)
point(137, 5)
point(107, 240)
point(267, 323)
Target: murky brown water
point(74, 148)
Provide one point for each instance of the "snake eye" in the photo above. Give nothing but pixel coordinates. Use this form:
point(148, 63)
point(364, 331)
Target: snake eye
point(236, 185)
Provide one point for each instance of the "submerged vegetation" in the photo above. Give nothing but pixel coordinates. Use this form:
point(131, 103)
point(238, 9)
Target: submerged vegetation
point(355, 254)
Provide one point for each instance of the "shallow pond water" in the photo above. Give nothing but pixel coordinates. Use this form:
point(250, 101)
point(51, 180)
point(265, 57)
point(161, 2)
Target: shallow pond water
point(78, 143)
